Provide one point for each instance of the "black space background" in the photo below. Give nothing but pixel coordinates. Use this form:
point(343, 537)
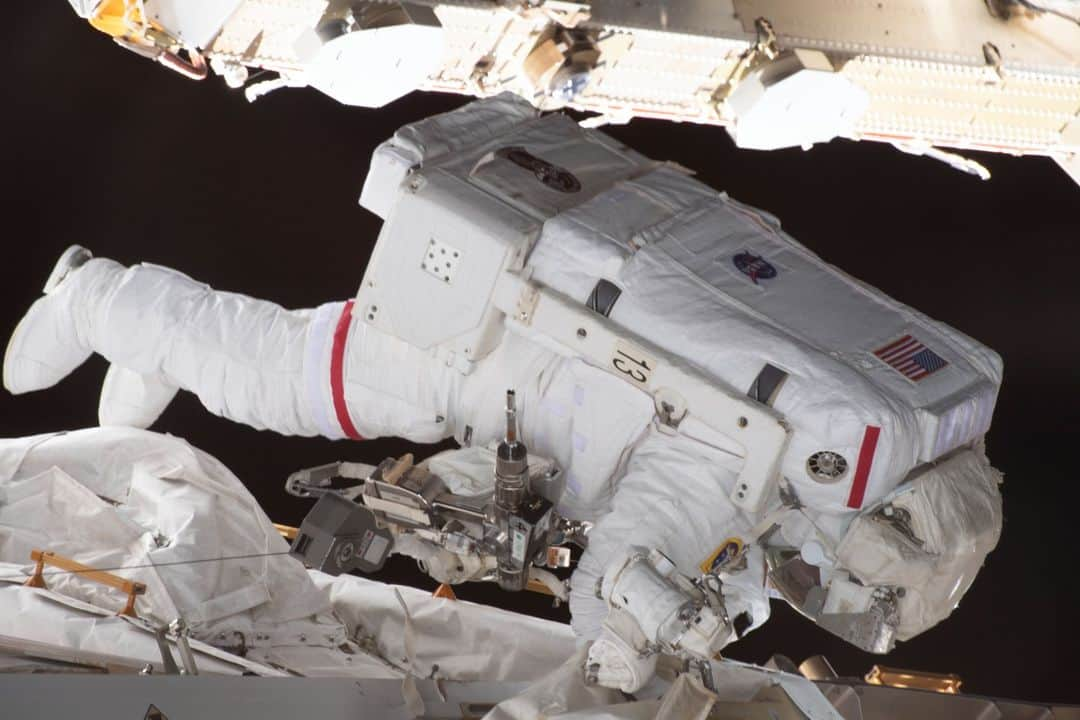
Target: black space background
point(111, 151)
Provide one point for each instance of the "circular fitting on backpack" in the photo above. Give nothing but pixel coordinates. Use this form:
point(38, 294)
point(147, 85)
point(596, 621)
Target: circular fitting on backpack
point(826, 466)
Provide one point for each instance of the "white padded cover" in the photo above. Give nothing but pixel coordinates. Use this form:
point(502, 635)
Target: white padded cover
point(672, 245)
point(721, 285)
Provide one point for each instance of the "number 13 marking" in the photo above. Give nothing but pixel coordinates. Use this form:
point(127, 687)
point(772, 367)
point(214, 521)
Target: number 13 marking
point(633, 363)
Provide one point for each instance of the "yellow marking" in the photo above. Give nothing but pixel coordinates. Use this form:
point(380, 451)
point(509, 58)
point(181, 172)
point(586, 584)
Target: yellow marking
point(444, 591)
point(707, 565)
point(118, 18)
point(287, 531)
point(920, 680)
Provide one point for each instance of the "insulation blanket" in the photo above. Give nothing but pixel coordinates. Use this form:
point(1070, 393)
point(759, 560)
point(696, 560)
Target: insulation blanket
point(436, 637)
point(172, 517)
point(88, 633)
point(117, 497)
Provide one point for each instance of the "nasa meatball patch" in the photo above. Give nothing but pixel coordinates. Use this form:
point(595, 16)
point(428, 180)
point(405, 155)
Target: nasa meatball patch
point(754, 267)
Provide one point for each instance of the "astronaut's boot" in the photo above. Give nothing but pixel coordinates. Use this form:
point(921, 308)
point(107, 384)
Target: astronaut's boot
point(51, 339)
point(132, 399)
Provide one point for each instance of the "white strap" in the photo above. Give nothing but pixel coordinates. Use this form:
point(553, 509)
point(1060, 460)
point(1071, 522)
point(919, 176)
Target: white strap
point(413, 702)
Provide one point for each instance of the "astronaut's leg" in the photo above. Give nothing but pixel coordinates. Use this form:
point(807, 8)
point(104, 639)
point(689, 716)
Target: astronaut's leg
point(129, 399)
point(46, 345)
point(303, 372)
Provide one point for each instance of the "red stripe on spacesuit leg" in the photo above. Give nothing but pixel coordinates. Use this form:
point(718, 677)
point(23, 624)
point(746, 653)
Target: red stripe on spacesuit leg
point(862, 468)
point(337, 373)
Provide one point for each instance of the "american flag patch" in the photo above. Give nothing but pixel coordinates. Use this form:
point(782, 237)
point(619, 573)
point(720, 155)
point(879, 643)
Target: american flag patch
point(911, 358)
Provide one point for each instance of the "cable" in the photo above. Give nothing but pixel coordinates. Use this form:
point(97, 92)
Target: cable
point(50, 573)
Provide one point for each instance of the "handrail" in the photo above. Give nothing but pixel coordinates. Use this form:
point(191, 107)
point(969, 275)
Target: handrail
point(46, 557)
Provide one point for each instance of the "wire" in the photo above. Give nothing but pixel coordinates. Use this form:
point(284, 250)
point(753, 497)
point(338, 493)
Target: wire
point(51, 573)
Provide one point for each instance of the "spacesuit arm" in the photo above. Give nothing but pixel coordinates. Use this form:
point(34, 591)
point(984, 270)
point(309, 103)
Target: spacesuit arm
point(672, 499)
point(653, 609)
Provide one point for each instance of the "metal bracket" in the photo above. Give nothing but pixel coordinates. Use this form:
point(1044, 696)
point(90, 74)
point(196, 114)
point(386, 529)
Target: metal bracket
point(317, 481)
point(167, 660)
point(180, 630)
point(526, 304)
point(759, 429)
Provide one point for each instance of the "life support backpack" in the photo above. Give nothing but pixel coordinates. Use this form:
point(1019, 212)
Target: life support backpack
point(866, 388)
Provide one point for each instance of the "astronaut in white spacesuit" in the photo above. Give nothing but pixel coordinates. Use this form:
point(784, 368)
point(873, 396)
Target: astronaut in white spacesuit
point(880, 505)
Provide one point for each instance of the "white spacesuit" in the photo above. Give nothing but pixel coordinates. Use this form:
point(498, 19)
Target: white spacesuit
point(722, 402)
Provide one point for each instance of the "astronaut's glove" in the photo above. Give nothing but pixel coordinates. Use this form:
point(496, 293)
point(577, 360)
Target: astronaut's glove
point(621, 657)
point(673, 613)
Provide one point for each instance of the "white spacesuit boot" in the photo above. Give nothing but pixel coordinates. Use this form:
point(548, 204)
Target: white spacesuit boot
point(49, 343)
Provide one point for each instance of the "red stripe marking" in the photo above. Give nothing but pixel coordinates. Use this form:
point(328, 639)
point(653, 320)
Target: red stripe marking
point(337, 373)
point(900, 353)
point(862, 468)
point(906, 349)
point(900, 346)
point(893, 344)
